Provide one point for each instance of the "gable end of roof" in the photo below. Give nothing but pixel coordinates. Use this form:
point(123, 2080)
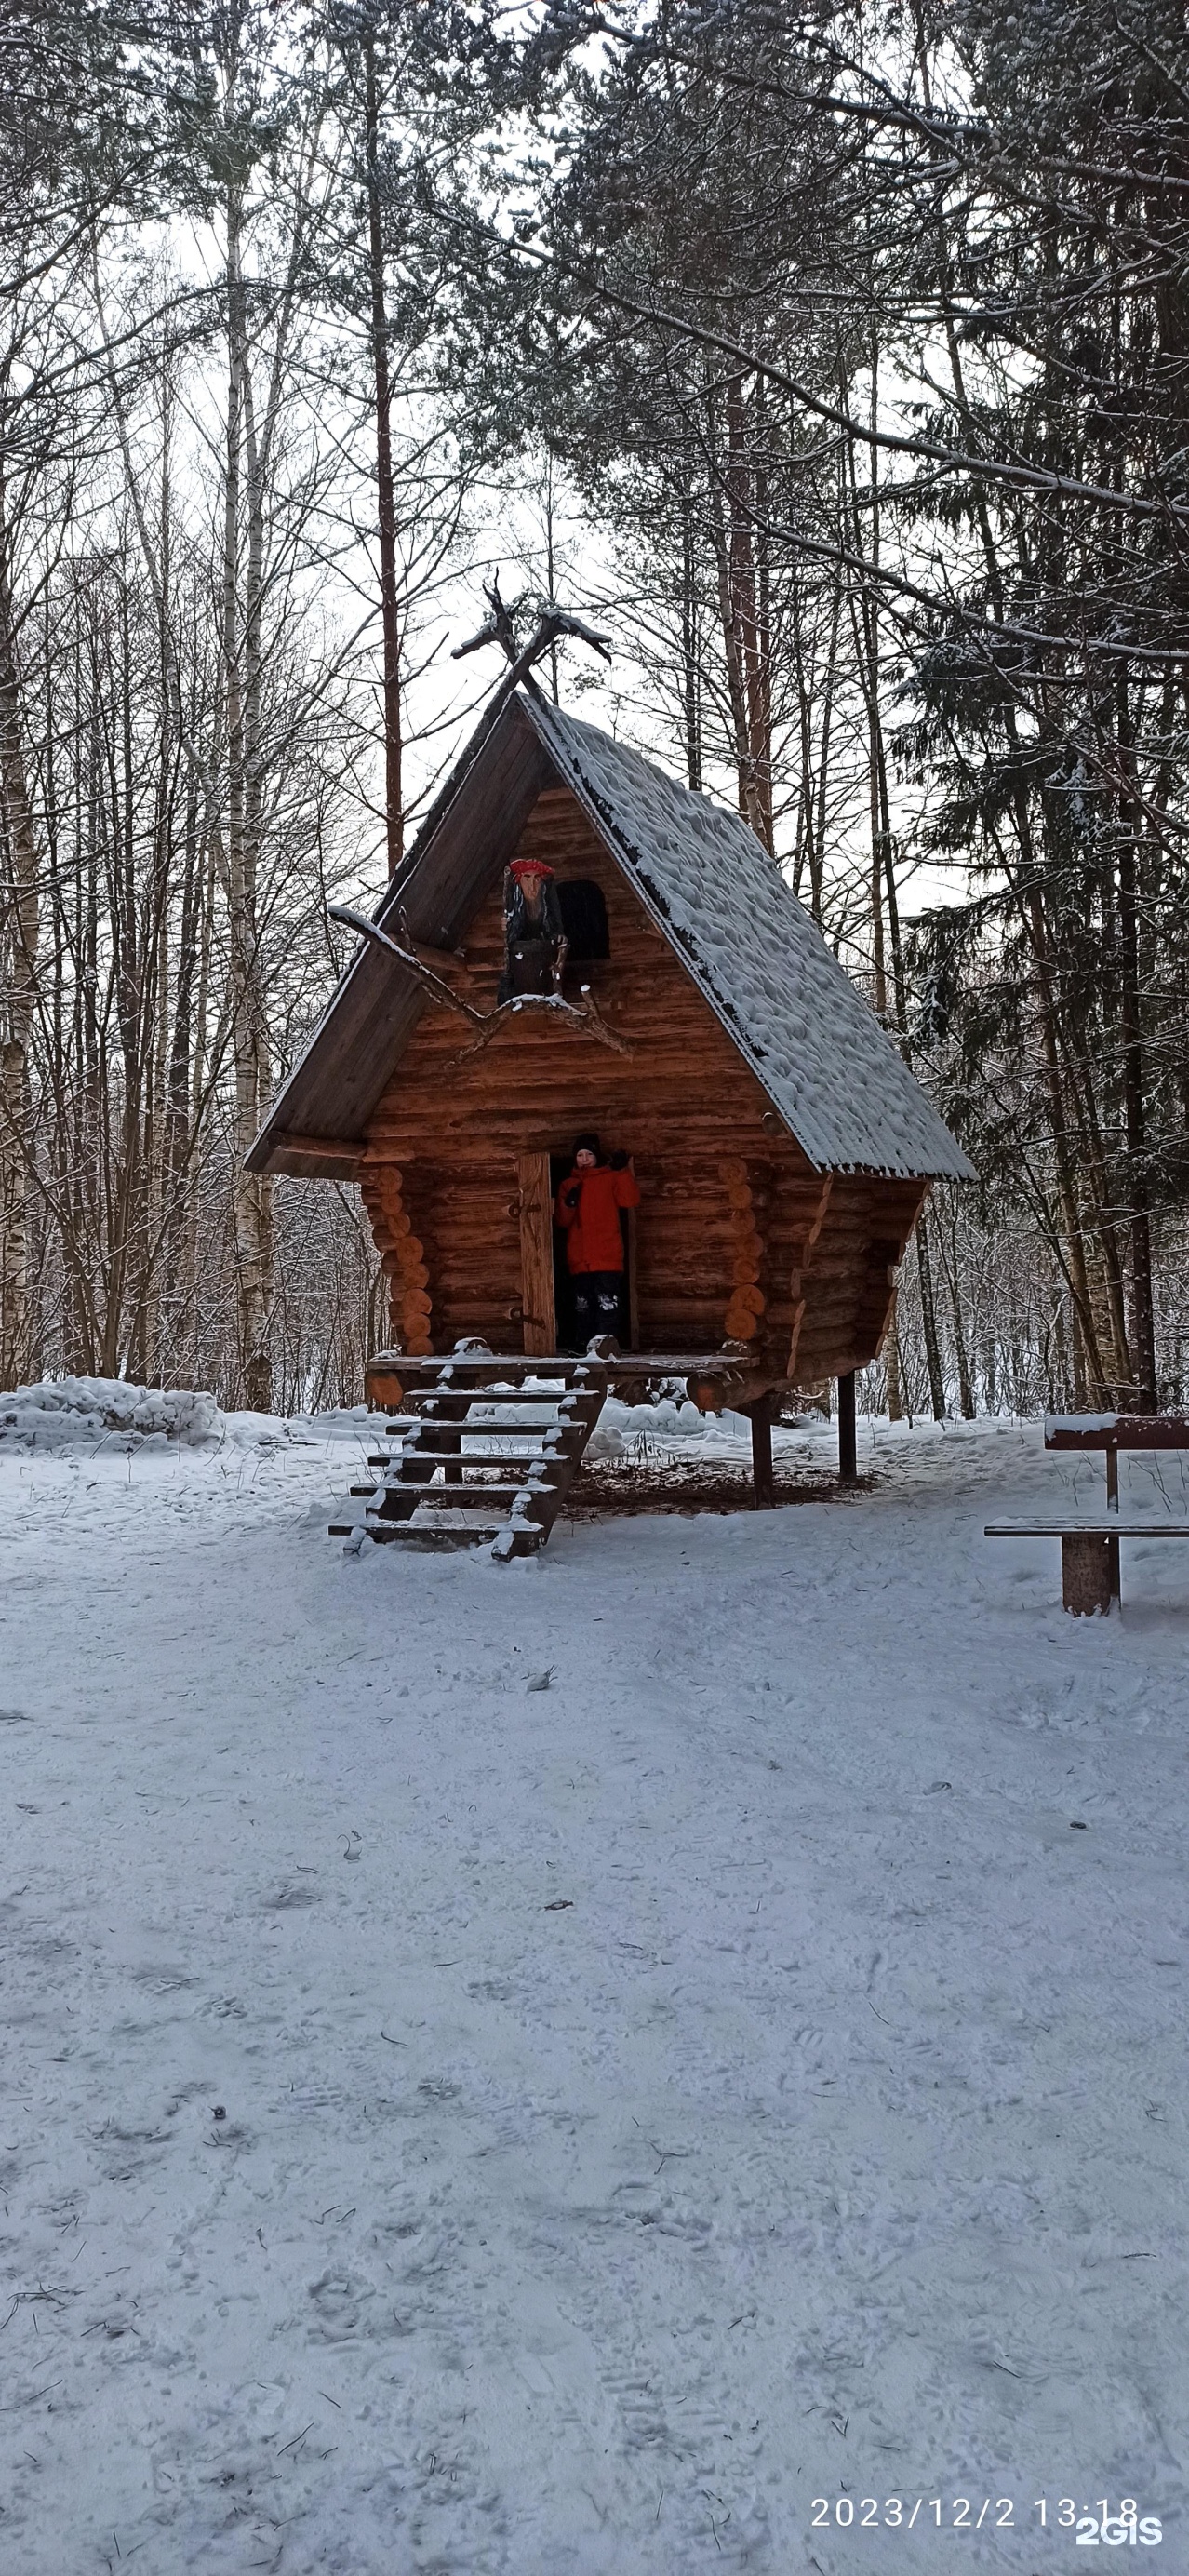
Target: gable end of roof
point(832, 1074)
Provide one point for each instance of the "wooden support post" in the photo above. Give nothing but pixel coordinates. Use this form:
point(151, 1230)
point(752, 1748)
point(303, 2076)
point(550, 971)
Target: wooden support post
point(762, 1477)
point(1086, 1571)
point(848, 1462)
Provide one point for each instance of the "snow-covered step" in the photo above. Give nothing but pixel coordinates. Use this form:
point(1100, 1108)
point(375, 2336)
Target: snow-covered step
point(512, 1418)
point(479, 1446)
point(519, 1445)
point(448, 1498)
point(464, 1528)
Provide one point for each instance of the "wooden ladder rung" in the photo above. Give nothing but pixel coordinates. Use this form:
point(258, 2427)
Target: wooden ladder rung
point(485, 1457)
point(475, 1523)
point(540, 1420)
point(449, 1498)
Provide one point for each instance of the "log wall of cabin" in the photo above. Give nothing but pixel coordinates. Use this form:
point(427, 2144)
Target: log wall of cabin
point(850, 1275)
point(737, 1237)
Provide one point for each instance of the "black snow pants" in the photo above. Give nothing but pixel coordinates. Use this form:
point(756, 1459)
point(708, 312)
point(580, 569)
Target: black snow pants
point(598, 1305)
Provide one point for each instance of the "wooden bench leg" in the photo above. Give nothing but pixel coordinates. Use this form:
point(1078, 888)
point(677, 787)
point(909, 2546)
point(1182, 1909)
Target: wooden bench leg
point(1086, 1574)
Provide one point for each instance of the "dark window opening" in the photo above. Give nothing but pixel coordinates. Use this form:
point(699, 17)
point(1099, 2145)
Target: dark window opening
point(583, 918)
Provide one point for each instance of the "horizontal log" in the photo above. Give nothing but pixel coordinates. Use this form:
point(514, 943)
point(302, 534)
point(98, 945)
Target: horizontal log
point(671, 1151)
point(682, 1304)
point(663, 1185)
point(831, 1247)
point(629, 1007)
point(568, 1068)
point(327, 1149)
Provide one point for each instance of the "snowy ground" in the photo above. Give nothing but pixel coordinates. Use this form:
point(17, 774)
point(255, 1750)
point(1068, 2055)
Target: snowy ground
point(717, 2081)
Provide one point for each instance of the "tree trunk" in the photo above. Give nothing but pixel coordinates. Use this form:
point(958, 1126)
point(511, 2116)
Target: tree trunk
point(386, 503)
point(21, 927)
point(929, 1320)
point(691, 673)
point(251, 1194)
point(891, 1361)
point(1143, 1331)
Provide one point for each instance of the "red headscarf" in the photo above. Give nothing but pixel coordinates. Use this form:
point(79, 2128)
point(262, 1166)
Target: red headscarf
point(522, 868)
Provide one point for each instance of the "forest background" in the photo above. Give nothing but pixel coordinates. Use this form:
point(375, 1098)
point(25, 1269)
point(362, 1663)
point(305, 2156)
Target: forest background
point(835, 359)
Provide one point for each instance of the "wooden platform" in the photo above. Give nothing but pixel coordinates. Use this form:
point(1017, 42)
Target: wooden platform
point(632, 1369)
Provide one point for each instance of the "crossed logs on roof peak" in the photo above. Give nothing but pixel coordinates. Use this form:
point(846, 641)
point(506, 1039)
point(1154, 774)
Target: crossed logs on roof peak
point(501, 627)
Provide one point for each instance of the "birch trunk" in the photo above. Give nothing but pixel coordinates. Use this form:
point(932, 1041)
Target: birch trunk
point(251, 1193)
point(386, 505)
point(21, 929)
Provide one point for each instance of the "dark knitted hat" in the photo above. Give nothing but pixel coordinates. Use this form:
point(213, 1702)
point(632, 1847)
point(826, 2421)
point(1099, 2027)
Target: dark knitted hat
point(587, 1144)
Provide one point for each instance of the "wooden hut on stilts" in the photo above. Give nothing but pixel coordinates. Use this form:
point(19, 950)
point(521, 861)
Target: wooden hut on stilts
point(693, 1016)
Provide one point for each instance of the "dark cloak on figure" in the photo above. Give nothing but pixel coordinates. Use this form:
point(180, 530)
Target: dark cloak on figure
point(534, 941)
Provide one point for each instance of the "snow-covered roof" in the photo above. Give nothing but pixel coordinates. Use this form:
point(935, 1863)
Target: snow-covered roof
point(835, 1079)
point(839, 1083)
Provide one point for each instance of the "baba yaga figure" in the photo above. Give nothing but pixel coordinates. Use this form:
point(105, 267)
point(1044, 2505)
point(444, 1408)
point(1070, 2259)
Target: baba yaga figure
point(588, 1206)
point(534, 942)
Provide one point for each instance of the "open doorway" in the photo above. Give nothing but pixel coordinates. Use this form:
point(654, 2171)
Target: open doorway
point(573, 1333)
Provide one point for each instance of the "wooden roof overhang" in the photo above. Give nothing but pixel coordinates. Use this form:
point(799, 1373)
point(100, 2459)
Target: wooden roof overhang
point(317, 1126)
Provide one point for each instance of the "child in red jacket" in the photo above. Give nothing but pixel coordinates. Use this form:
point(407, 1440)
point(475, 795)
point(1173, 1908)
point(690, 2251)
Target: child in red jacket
point(588, 1205)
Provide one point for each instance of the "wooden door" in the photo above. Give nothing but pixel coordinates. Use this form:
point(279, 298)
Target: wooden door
point(536, 1253)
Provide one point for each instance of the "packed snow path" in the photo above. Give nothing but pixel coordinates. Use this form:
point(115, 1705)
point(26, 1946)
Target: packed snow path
point(463, 2126)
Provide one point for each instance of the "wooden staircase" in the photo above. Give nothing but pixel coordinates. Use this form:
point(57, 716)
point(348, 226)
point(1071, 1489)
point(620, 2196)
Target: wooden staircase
point(478, 1460)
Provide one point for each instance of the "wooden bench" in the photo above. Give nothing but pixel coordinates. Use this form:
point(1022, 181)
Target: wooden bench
point(1090, 1578)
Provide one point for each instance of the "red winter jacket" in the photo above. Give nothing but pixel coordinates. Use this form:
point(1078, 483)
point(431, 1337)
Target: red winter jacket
point(592, 1231)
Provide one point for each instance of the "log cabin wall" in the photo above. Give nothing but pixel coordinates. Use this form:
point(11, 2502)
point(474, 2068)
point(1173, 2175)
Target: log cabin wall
point(737, 1237)
point(850, 1273)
